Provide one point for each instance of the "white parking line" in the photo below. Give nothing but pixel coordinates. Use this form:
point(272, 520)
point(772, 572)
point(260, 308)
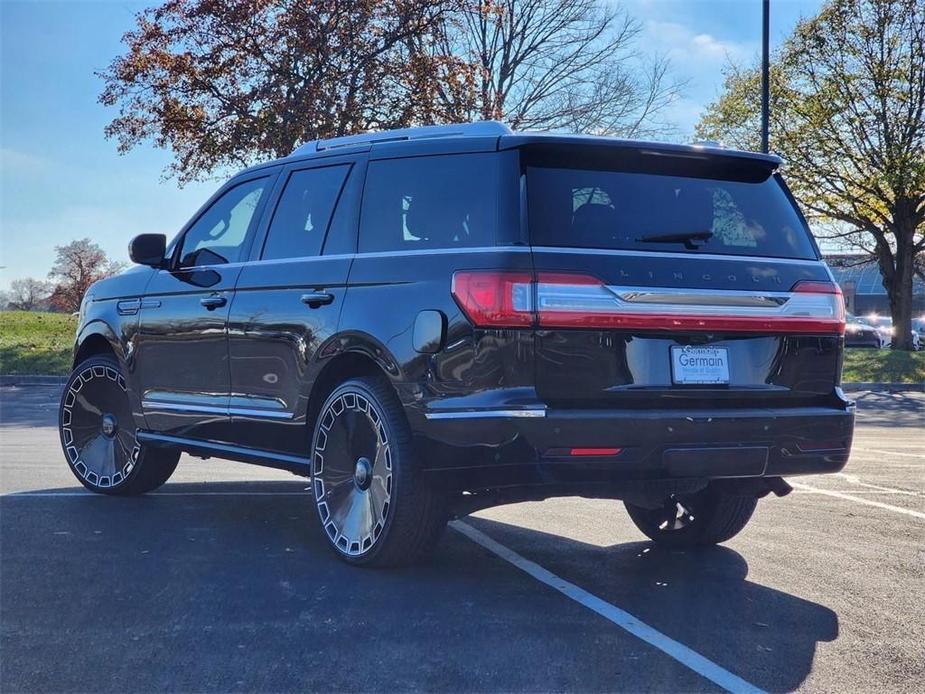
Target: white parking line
point(46, 495)
point(681, 653)
point(859, 500)
point(879, 451)
point(854, 479)
point(872, 492)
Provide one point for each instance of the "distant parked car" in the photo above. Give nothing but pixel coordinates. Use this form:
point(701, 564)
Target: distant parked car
point(884, 326)
point(861, 334)
point(918, 326)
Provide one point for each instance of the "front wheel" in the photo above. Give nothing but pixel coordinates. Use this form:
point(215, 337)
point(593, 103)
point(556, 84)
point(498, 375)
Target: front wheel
point(374, 506)
point(707, 517)
point(97, 431)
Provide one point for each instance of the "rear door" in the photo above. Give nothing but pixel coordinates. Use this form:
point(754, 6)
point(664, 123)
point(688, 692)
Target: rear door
point(288, 300)
point(669, 281)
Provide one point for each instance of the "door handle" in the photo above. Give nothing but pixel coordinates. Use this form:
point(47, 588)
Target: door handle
point(213, 302)
point(316, 299)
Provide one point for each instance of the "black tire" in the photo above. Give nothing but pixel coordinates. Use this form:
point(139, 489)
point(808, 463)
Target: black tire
point(707, 517)
point(97, 432)
point(374, 506)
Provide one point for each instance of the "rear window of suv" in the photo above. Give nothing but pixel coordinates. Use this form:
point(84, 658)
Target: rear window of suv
point(430, 202)
point(591, 208)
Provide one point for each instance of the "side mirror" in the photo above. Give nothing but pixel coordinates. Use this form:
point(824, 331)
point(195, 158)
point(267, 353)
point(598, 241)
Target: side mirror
point(148, 249)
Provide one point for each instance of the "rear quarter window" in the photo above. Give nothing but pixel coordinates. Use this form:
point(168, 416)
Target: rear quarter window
point(589, 208)
point(447, 201)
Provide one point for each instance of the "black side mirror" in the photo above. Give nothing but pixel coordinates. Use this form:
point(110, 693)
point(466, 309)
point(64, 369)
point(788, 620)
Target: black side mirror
point(148, 249)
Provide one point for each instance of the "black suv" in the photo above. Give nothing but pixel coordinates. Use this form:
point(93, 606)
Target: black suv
point(436, 320)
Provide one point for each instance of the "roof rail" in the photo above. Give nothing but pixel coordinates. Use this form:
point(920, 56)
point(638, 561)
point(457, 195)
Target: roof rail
point(715, 144)
point(485, 128)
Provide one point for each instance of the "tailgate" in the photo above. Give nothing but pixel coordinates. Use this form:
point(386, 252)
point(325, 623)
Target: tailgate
point(678, 333)
point(689, 279)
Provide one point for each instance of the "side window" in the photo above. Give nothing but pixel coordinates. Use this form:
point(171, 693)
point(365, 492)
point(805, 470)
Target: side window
point(304, 212)
point(430, 202)
point(218, 235)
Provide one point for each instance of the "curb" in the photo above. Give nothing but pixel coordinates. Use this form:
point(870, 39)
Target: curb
point(44, 380)
point(884, 387)
point(32, 380)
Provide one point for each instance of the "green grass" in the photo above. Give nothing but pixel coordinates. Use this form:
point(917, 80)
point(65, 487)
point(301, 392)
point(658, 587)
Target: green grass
point(32, 342)
point(883, 366)
point(41, 343)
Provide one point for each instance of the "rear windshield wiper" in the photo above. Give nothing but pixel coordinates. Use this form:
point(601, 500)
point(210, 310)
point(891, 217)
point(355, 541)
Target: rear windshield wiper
point(687, 239)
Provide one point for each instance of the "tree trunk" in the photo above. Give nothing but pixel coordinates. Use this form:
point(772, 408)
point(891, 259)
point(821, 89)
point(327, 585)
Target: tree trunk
point(900, 290)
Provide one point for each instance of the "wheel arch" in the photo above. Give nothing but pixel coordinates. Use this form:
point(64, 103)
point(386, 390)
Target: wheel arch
point(361, 355)
point(94, 339)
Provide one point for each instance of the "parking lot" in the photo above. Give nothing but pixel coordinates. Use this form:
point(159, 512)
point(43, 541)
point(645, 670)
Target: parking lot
point(220, 581)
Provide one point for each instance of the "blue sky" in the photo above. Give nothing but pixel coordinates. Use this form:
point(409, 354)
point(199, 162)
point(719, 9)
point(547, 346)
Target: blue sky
point(61, 180)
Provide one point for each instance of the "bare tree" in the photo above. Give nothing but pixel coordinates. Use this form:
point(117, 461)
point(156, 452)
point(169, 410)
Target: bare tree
point(78, 265)
point(553, 65)
point(29, 294)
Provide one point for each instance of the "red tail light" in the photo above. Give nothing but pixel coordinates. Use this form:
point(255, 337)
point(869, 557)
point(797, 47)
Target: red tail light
point(495, 299)
point(836, 300)
point(561, 300)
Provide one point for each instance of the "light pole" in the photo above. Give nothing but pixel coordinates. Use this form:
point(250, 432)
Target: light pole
point(765, 73)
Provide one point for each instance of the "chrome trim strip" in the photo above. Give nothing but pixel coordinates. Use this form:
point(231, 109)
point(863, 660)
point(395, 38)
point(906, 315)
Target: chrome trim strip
point(392, 254)
point(214, 409)
point(487, 414)
point(442, 251)
point(265, 414)
point(700, 297)
point(669, 255)
point(182, 407)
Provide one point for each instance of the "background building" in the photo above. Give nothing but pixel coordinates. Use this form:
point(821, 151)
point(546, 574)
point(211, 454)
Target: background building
point(862, 285)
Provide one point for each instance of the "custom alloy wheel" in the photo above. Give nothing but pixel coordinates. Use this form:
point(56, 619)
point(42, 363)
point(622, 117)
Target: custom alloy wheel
point(373, 509)
point(706, 517)
point(97, 432)
point(674, 515)
point(352, 472)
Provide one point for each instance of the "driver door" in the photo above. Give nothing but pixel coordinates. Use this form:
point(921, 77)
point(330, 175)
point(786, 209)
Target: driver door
point(181, 348)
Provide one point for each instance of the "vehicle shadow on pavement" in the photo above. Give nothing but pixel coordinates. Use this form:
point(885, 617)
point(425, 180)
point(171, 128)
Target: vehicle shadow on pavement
point(229, 585)
point(701, 598)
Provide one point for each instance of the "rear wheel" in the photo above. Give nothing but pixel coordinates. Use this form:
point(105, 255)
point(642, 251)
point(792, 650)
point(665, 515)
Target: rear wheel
point(706, 517)
point(97, 430)
point(374, 506)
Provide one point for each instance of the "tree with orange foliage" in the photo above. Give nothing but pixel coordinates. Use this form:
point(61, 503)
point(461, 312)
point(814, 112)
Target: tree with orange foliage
point(78, 265)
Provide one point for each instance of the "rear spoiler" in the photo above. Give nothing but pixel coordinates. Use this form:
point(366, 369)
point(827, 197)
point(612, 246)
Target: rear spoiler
point(700, 161)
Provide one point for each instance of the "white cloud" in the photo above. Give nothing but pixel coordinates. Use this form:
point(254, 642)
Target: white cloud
point(17, 163)
point(684, 45)
point(698, 57)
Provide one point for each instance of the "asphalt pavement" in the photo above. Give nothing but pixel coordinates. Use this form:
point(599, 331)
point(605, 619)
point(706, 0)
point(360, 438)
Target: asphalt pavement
point(220, 581)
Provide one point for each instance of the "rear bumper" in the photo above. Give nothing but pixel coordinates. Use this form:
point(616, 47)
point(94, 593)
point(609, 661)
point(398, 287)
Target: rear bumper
point(497, 448)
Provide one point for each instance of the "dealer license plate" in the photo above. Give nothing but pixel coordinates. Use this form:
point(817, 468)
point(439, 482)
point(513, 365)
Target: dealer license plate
point(690, 365)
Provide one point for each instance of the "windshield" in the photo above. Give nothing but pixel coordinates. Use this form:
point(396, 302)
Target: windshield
point(590, 208)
